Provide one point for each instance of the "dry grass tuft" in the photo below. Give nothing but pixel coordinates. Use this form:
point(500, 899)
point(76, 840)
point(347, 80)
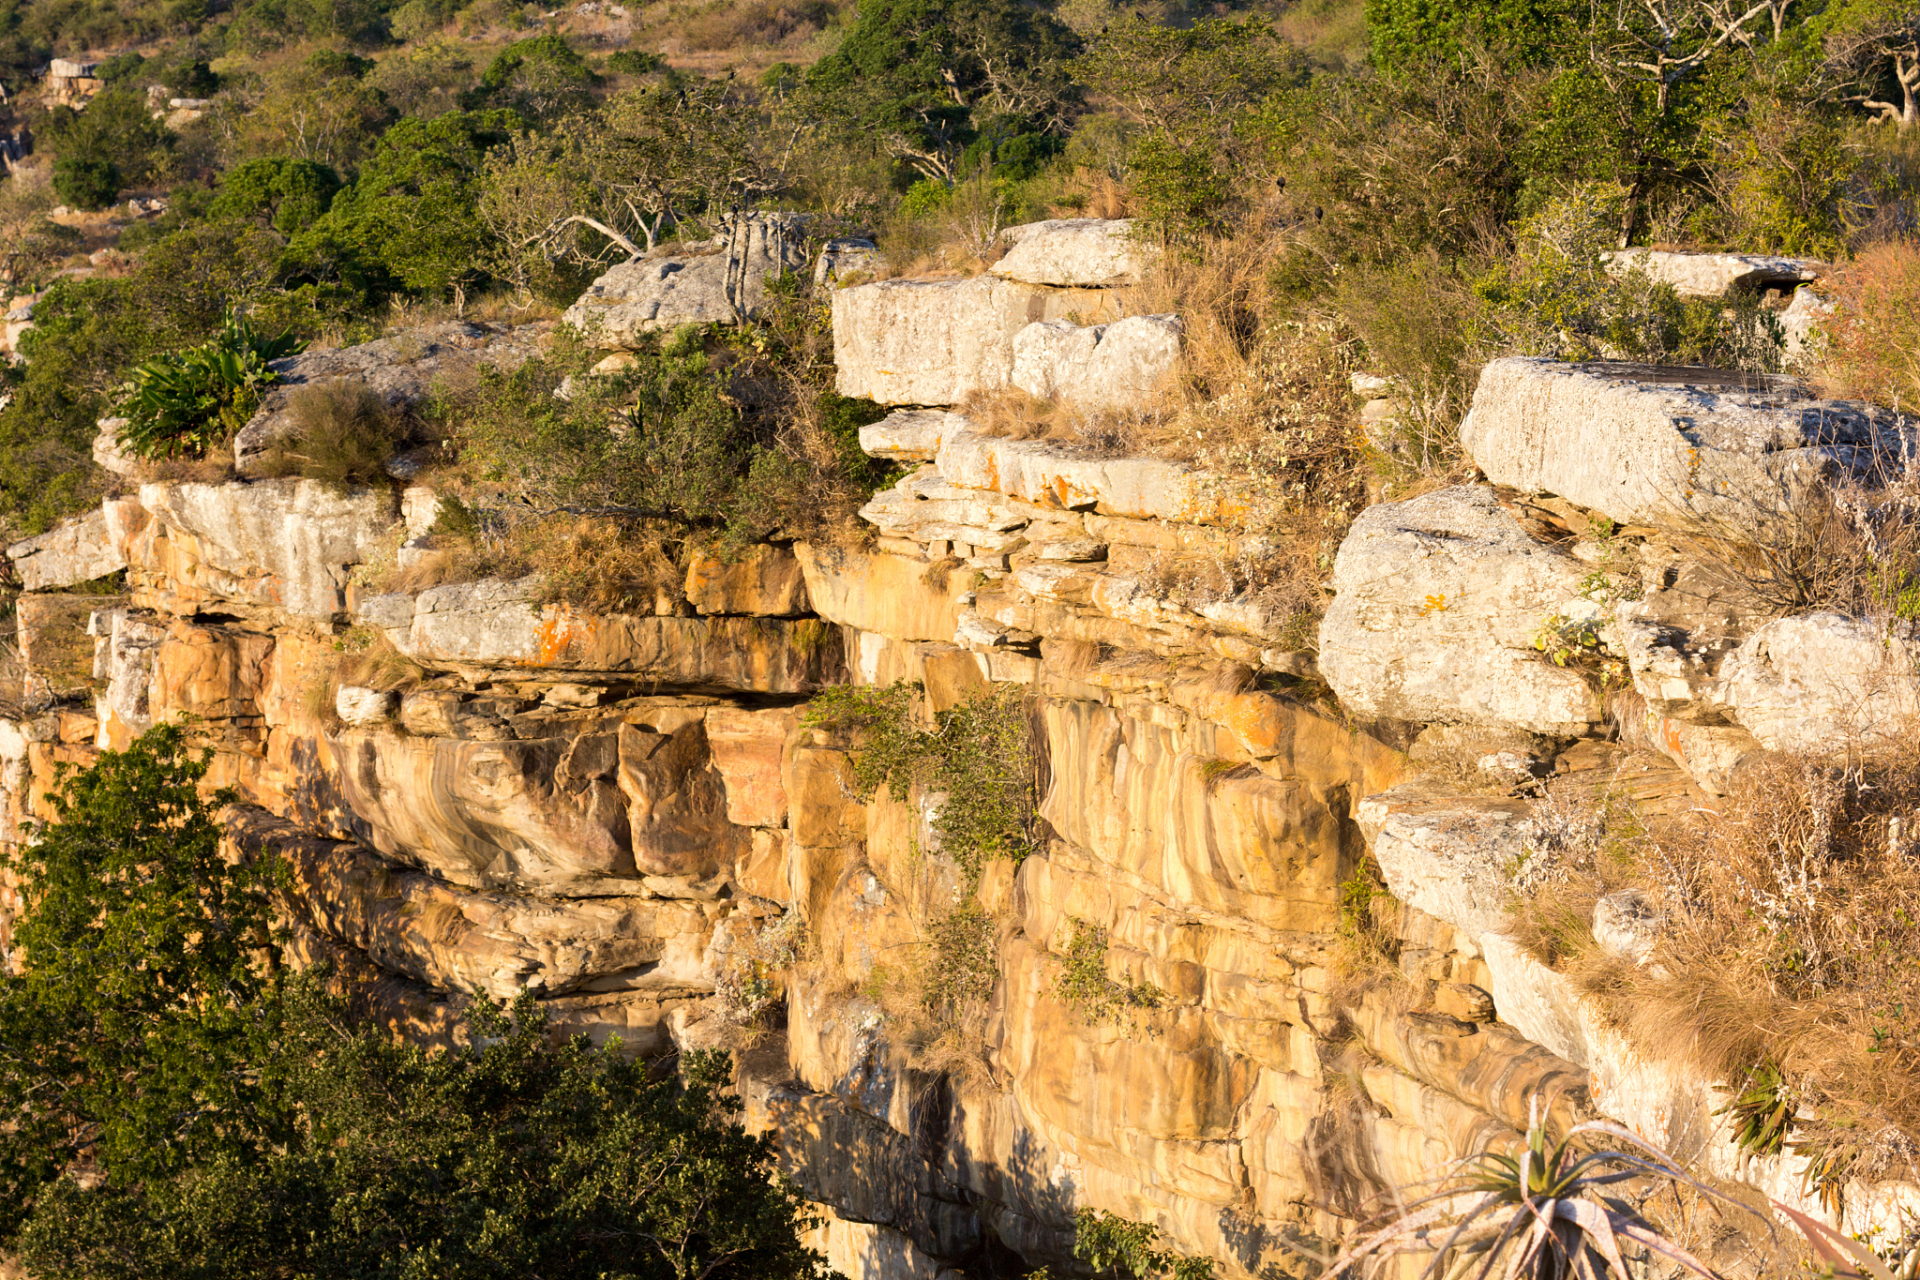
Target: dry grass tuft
point(343, 435)
point(1873, 338)
point(595, 564)
point(1789, 937)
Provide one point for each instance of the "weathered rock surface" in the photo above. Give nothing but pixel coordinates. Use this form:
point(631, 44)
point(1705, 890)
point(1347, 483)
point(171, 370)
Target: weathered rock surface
point(1068, 479)
point(1686, 447)
point(910, 435)
point(721, 281)
point(1103, 366)
point(937, 342)
point(1451, 857)
point(844, 261)
point(1079, 252)
point(1824, 683)
point(77, 551)
point(278, 545)
point(402, 369)
point(1436, 602)
point(1715, 275)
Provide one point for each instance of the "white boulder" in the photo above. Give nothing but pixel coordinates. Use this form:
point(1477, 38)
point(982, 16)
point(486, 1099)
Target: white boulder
point(79, 550)
point(721, 281)
point(1824, 683)
point(1647, 445)
point(361, 707)
point(937, 342)
point(910, 435)
point(1101, 366)
point(1436, 603)
point(1714, 275)
point(1079, 252)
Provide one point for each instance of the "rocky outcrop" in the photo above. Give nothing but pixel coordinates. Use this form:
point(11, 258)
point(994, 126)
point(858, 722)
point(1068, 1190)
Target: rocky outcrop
point(1437, 601)
point(1649, 446)
point(280, 546)
point(77, 551)
point(403, 369)
point(1098, 253)
point(1122, 365)
point(718, 281)
point(938, 342)
point(1715, 275)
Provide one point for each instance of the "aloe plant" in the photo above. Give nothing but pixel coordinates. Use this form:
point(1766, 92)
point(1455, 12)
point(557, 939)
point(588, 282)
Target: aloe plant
point(183, 403)
point(1538, 1214)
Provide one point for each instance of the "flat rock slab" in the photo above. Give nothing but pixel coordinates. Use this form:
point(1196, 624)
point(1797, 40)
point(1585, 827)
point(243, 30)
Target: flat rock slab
point(1715, 275)
point(1122, 365)
point(937, 342)
point(402, 368)
point(79, 550)
point(1675, 448)
point(720, 281)
point(910, 435)
point(281, 543)
point(1435, 606)
point(1049, 475)
point(1096, 253)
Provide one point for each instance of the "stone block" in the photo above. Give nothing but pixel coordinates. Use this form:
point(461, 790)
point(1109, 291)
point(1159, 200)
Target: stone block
point(78, 550)
point(1122, 365)
point(1083, 252)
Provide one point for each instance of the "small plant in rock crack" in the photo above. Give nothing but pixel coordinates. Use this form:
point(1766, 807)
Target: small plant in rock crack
point(751, 986)
point(1540, 1213)
point(1761, 1109)
point(1565, 640)
point(1084, 984)
point(979, 757)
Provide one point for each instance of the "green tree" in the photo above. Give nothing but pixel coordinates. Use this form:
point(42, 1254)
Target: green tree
point(286, 194)
point(114, 135)
point(1409, 35)
point(1191, 93)
point(931, 76)
point(542, 78)
point(516, 1157)
point(1876, 45)
point(130, 1033)
point(411, 218)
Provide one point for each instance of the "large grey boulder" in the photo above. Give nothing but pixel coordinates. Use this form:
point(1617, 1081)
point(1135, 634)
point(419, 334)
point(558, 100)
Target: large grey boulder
point(1101, 366)
point(287, 544)
point(1079, 252)
point(1714, 275)
point(1436, 602)
point(718, 281)
point(1670, 447)
point(937, 342)
point(79, 550)
point(1824, 683)
point(402, 369)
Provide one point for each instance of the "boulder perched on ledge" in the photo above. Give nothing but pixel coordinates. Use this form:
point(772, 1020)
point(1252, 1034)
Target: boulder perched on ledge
point(1655, 445)
point(1098, 253)
point(1435, 606)
point(719, 281)
point(1120, 365)
point(937, 342)
point(1715, 275)
point(79, 550)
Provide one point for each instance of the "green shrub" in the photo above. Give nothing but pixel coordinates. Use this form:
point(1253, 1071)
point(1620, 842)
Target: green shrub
point(183, 404)
point(962, 964)
point(343, 434)
point(86, 182)
point(979, 756)
point(1116, 1246)
point(1084, 984)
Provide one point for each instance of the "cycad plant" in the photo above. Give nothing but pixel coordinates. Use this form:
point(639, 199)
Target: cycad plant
point(1538, 1214)
point(183, 403)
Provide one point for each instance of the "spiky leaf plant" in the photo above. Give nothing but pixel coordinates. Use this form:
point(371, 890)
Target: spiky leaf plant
point(184, 403)
point(1538, 1214)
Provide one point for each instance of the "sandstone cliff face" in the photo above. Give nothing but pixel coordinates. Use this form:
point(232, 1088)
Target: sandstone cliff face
point(617, 813)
